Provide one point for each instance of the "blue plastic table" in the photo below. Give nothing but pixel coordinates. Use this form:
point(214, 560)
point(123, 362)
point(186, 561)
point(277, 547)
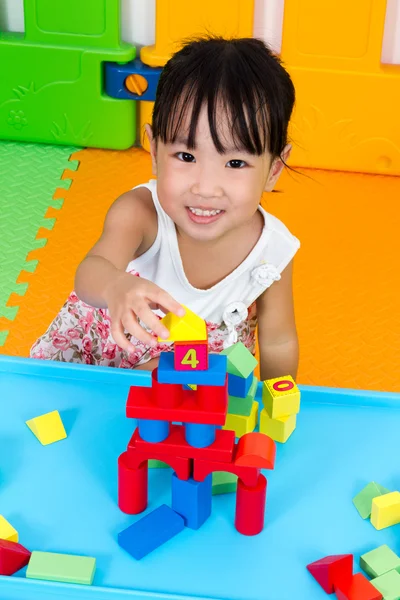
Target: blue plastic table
point(63, 497)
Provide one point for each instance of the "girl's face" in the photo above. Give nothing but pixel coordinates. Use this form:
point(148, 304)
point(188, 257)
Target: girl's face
point(205, 193)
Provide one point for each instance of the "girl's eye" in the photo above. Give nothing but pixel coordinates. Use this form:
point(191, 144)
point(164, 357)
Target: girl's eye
point(186, 157)
point(236, 164)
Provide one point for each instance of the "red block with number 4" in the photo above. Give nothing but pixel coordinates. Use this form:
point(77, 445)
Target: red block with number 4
point(191, 356)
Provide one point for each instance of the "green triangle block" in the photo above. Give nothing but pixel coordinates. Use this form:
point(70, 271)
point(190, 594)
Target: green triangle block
point(241, 362)
point(363, 500)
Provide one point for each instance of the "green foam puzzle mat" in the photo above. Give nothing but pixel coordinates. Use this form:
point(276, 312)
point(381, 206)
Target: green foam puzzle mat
point(29, 176)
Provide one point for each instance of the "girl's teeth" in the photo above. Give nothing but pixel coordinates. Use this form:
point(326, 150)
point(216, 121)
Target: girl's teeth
point(204, 213)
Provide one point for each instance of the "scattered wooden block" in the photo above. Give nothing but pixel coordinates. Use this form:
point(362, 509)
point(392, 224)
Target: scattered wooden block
point(48, 428)
point(13, 557)
point(379, 561)
point(363, 500)
point(388, 585)
point(359, 588)
point(61, 567)
point(332, 571)
point(7, 531)
point(385, 510)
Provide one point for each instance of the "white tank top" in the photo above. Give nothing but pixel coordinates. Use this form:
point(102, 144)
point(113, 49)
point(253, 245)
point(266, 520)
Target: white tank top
point(228, 307)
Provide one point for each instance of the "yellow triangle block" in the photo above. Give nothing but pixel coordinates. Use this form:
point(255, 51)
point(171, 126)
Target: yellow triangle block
point(48, 428)
point(189, 328)
point(7, 531)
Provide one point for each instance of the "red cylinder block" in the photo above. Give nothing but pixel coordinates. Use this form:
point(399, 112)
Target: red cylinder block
point(132, 486)
point(250, 507)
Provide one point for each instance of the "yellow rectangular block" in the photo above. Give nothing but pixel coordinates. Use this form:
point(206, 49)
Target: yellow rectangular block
point(278, 429)
point(47, 428)
point(241, 424)
point(7, 531)
point(281, 397)
point(386, 510)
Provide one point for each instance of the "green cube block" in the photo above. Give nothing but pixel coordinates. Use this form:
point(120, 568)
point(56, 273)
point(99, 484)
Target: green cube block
point(157, 464)
point(61, 567)
point(241, 362)
point(243, 406)
point(379, 561)
point(388, 585)
point(223, 483)
point(363, 500)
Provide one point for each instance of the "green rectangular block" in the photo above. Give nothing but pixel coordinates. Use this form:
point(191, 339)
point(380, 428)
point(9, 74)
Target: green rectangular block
point(65, 568)
point(241, 362)
point(388, 585)
point(363, 500)
point(242, 406)
point(379, 561)
point(223, 483)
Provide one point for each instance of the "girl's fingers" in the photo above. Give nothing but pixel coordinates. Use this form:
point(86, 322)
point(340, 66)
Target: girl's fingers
point(152, 321)
point(166, 302)
point(119, 337)
point(131, 324)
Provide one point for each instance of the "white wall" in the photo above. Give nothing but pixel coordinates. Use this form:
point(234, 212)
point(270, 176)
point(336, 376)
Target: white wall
point(138, 23)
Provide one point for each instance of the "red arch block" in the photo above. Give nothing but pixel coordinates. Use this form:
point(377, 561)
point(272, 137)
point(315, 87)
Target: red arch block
point(182, 466)
point(255, 450)
point(202, 468)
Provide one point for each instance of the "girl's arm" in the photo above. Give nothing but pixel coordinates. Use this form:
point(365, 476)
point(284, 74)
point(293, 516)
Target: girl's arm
point(277, 335)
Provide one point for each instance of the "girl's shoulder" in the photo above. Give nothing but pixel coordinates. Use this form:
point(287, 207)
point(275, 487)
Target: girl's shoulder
point(280, 243)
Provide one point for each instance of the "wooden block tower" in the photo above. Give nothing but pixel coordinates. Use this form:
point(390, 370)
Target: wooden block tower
point(179, 421)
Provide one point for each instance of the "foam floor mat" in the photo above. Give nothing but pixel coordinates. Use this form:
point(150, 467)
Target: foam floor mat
point(29, 175)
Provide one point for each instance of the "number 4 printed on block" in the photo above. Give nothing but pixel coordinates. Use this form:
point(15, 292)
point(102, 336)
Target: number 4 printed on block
point(191, 356)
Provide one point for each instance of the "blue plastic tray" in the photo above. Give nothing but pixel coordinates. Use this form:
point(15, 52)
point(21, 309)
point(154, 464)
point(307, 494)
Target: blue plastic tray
point(63, 497)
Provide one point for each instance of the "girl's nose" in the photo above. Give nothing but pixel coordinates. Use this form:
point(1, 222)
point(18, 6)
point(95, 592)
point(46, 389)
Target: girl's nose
point(206, 187)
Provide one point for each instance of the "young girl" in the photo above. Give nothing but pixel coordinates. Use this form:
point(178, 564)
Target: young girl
point(197, 236)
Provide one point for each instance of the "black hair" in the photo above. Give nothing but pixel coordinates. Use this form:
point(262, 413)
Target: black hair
point(243, 76)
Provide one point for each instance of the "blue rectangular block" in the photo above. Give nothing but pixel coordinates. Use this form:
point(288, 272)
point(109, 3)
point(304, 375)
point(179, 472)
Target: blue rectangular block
point(192, 500)
point(214, 375)
point(239, 386)
point(152, 531)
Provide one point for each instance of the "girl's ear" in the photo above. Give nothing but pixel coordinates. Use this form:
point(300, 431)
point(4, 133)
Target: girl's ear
point(276, 168)
point(153, 147)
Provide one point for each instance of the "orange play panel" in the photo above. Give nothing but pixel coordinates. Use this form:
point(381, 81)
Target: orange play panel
point(346, 284)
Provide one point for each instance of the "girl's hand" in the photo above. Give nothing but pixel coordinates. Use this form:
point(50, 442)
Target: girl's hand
point(128, 298)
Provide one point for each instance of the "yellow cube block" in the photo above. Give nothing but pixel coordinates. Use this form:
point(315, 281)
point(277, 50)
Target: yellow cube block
point(189, 328)
point(7, 531)
point(48, 428)
point(241, 424)
point(278, 429)
point(281, 397)
point(386, 510)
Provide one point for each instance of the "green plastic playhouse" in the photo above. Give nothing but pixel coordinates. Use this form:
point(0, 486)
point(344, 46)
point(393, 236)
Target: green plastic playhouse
point(51, 77)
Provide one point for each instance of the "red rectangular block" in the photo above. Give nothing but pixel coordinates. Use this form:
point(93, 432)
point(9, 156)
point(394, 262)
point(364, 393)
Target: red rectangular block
point(207, 405)
point(359, 588)
point(176, 445)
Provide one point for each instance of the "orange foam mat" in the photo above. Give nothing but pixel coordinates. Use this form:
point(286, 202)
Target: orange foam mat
point(346, 286)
